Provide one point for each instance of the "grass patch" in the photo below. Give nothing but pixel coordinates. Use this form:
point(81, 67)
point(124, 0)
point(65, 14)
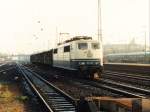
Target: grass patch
point(22, 98)
point(10, 98)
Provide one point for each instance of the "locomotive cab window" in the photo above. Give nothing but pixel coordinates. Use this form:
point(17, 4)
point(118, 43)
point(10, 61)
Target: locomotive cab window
point(95, 46)
point(67, 49)
point(82, 46)
point(55, 51)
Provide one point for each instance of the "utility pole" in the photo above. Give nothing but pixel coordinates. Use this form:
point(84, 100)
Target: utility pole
point(63, 36)
point(99, 26)
point(149, 30)
point(99, 22)
point(145, 45)
point(57, 39)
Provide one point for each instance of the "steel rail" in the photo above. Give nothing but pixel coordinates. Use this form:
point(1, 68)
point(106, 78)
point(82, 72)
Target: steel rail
point(50, 84)
point(7, 69)
point(55, 99)
point(127, 87)
point(107, 85)
point(113, 89)
point(133, 76)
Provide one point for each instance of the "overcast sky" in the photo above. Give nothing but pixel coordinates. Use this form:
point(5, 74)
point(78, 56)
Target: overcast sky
point(28, 26)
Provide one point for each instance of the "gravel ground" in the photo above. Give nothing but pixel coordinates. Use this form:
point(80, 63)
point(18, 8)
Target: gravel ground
point(12, 97)
point(70, 86)
point(129, 81)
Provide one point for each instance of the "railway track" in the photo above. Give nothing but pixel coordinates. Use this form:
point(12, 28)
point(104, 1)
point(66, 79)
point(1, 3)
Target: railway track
point(79, 89)
point(120, 89)
point(115, 87)
point(131, 78)
point(7, 69)
point(136, 91)
point(54, 99)
point(129, 68)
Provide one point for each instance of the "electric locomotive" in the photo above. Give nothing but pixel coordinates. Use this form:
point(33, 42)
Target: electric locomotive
point(80, 54)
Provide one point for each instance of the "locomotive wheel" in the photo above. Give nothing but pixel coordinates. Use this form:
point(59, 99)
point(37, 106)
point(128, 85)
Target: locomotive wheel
point(96, 74)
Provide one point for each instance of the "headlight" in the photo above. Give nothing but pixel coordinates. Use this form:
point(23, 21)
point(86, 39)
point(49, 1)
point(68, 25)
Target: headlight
point(97, 63)
point(90, 63)
point(81, 63)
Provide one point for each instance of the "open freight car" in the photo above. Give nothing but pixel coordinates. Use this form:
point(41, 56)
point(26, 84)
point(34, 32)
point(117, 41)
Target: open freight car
point(43, 58)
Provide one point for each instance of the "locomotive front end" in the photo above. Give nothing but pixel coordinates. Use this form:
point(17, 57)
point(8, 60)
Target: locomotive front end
point(88, 58)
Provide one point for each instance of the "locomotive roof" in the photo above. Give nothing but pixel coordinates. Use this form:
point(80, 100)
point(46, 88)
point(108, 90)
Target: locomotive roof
point(75, 39)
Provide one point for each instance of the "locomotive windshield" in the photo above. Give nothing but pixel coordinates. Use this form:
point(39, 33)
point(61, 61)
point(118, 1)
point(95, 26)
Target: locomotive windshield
point(82, 46)
point(95, 45)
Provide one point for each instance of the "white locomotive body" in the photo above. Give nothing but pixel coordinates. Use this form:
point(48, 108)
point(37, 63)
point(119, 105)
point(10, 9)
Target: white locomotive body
point(80, 54)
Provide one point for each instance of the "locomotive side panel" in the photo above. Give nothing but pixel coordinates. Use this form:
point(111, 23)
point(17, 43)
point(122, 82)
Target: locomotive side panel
point(61, 59)
point(66, 56)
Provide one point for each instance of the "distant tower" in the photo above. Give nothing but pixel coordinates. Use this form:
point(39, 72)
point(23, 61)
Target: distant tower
point(132, 42)
point(99, 22)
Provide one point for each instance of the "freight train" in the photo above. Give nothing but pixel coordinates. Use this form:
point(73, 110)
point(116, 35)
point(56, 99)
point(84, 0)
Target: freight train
point(81, 55)
point(136, 57)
